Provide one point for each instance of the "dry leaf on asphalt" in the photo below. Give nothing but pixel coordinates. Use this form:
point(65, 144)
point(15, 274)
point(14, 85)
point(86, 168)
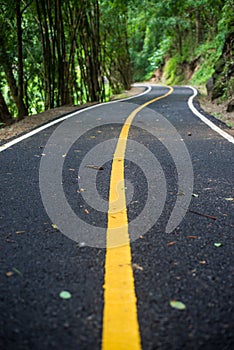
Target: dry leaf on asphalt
point(20, 232)
point(202, 262)
point(137, 267)
point(181, 193)
point(171, 243)
point(95, 167)
point(81, 190)
point(8, 240)
point(9, 273)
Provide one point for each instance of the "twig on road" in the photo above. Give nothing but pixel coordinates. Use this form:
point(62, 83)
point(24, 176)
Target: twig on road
point(204, 215)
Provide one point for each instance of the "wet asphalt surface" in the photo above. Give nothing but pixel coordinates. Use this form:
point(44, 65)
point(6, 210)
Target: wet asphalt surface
point(38, 261)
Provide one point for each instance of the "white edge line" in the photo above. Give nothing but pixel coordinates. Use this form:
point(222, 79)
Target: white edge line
point(206, 120)
point(59, 120)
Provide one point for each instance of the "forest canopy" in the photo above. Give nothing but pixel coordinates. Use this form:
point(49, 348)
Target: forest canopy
point(57, 52)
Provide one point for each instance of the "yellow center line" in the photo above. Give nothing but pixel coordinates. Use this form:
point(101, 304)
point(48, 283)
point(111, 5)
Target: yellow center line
point(120, 323)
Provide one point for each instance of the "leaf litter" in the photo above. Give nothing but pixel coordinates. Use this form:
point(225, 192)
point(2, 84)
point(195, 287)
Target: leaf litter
point(20, 232)
point(81, 190)
point(95, 167)
point(64, 294)
point(137, 267)
point(8, 240)
point(177, 305)
point(171, 243)
point(218, 244)
point(14, 269)
point(9, 273)
point(204, 215)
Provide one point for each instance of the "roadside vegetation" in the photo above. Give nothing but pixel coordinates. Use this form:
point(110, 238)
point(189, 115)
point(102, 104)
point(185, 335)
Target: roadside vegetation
point(185, 41)
point(55, 53)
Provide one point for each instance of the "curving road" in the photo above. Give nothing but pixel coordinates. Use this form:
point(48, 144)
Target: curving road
point(128, 206)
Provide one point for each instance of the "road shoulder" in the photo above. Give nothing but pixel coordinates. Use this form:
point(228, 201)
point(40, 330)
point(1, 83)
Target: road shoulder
point(31, 122)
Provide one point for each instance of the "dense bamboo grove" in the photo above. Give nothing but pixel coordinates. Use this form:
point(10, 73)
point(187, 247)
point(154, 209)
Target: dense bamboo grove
point(57, 52)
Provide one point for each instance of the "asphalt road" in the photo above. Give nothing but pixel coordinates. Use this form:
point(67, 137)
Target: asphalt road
point(46, 187)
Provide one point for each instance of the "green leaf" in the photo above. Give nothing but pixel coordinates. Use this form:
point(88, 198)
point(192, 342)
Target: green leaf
point(65, 294)
point(195, 195)
point(17, 271)
point(229, 199)
point(177, 305)
point(218, 245)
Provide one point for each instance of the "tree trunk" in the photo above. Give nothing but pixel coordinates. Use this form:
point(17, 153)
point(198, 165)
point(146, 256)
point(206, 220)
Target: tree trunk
point(61, 54)
point(4, 61)
point(48, 49)
point(5, 116)
point(50, 55)
point(90, 41)
point(180, 44)
point(22, 110)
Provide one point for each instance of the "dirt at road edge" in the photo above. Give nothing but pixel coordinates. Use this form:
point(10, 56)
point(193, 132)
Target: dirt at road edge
point(33, 121)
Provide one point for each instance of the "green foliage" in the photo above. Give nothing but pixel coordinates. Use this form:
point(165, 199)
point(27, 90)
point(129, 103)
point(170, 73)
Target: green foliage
point(192, 29)
point(226, 23)
point(230, 87)
point(209, 53)
point(70, 46)
point(174, 71)
point(157, 57)
point(7, 95)
point(116, 66)
point(68, 49)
